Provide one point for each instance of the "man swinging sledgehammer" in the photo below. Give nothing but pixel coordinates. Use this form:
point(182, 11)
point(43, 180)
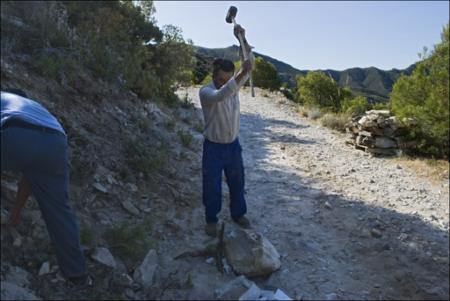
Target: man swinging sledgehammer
point(221, 148)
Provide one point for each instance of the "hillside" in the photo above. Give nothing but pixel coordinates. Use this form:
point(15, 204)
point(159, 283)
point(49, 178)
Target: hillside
point(136, 189)
point(371, 82)
point(328, 221)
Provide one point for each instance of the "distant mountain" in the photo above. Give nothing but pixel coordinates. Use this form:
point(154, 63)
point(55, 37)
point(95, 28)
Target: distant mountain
point(371, 82)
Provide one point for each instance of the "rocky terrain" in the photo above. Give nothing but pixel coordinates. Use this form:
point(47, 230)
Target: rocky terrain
point(346, 225)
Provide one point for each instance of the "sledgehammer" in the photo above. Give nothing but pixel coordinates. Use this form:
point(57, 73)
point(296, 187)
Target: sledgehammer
point(230, 18)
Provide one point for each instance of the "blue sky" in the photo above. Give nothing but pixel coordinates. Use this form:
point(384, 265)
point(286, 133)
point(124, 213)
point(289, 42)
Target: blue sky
point(316, 35)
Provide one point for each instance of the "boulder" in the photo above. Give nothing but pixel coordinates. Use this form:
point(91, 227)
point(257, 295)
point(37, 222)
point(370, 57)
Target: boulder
point(385, 142)
point(249, 253)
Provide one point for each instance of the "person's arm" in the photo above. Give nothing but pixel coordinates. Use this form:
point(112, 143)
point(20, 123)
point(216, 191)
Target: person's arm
point(243, 73)
point(210, 95)
point(23, 193)
point(247, 48)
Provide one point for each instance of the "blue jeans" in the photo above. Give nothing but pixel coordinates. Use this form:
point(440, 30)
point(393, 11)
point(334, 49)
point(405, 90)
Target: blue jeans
point(217, 158)
point(43, 159)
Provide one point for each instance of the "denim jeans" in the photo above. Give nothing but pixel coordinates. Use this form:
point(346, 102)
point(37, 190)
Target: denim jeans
point(43, 159)
point(228, 158)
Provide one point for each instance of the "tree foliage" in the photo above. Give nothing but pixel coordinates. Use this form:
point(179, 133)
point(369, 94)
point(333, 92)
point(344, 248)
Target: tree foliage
point(265, 75)
point(118, 41)
point(318, 89)
point(424, 96)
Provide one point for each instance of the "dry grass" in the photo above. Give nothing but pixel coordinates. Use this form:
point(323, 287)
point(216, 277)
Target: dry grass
point(335, 121)
point(435, 170)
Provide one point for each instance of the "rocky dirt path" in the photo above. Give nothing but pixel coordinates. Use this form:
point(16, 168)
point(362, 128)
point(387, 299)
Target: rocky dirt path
point(347, 225)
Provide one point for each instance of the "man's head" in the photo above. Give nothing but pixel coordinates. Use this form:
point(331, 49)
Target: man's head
point(223, 70)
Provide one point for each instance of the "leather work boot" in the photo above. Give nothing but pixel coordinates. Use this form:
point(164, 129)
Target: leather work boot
point(211, 229)
point(243, 222)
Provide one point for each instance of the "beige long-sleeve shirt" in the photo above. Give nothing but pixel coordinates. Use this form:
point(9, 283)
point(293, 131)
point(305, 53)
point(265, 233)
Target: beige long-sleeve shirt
point(221, 109)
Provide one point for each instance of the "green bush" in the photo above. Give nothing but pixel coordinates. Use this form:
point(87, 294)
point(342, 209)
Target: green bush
point(380, 106)
point(145, 158)
point(424, 96)
point(265, 75)
point(86, 235)
point(207, 79)
point(357, 105)
point(185, 137)
point(130, 241)
point(117, 40)
point(318, 89)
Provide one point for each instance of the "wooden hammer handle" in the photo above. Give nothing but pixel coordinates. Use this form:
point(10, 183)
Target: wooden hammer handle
point(241, 41)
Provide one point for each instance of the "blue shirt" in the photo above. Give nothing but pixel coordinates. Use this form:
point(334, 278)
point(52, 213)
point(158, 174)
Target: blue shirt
point(16, 107)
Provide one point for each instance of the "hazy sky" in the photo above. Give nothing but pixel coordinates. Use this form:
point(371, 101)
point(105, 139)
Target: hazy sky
point(316, 35)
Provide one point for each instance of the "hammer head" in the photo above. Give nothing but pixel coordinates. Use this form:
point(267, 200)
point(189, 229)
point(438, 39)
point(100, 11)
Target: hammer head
point(232, 11)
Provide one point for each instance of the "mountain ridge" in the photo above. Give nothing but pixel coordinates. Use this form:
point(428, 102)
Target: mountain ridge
point(371, 82)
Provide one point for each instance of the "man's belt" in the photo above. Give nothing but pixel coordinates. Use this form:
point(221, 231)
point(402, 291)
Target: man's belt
point(23, 124)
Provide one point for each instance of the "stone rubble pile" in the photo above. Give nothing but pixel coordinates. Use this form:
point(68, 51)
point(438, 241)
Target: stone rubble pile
point(378, 132)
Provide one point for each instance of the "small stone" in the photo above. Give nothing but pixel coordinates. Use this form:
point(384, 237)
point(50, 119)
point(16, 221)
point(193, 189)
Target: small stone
point(110, 179)
point(130, 207)
point(100, 187)
point(17, 242)
point(123, 280)
point(280, 295)
point(4, 217)
point(132, 187)
point(331, 296)
point(399, 167)
point(145, 272)
point(45, 268)
point(328, 206)
point(253, 293)
point(233, 289)
point(375, 232)
point(104, 256)
point(402, 236)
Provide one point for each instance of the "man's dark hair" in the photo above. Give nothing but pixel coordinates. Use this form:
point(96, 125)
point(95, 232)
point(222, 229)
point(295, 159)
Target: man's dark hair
point(222, 64)
point(16, 91)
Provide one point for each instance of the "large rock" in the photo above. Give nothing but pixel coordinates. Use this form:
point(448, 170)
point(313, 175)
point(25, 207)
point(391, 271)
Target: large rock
point(250, 253)
point(10, 291)
point(368, 122)
point(383, 113)
point(145, 272)
point(385, 142)
point(104, 256)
